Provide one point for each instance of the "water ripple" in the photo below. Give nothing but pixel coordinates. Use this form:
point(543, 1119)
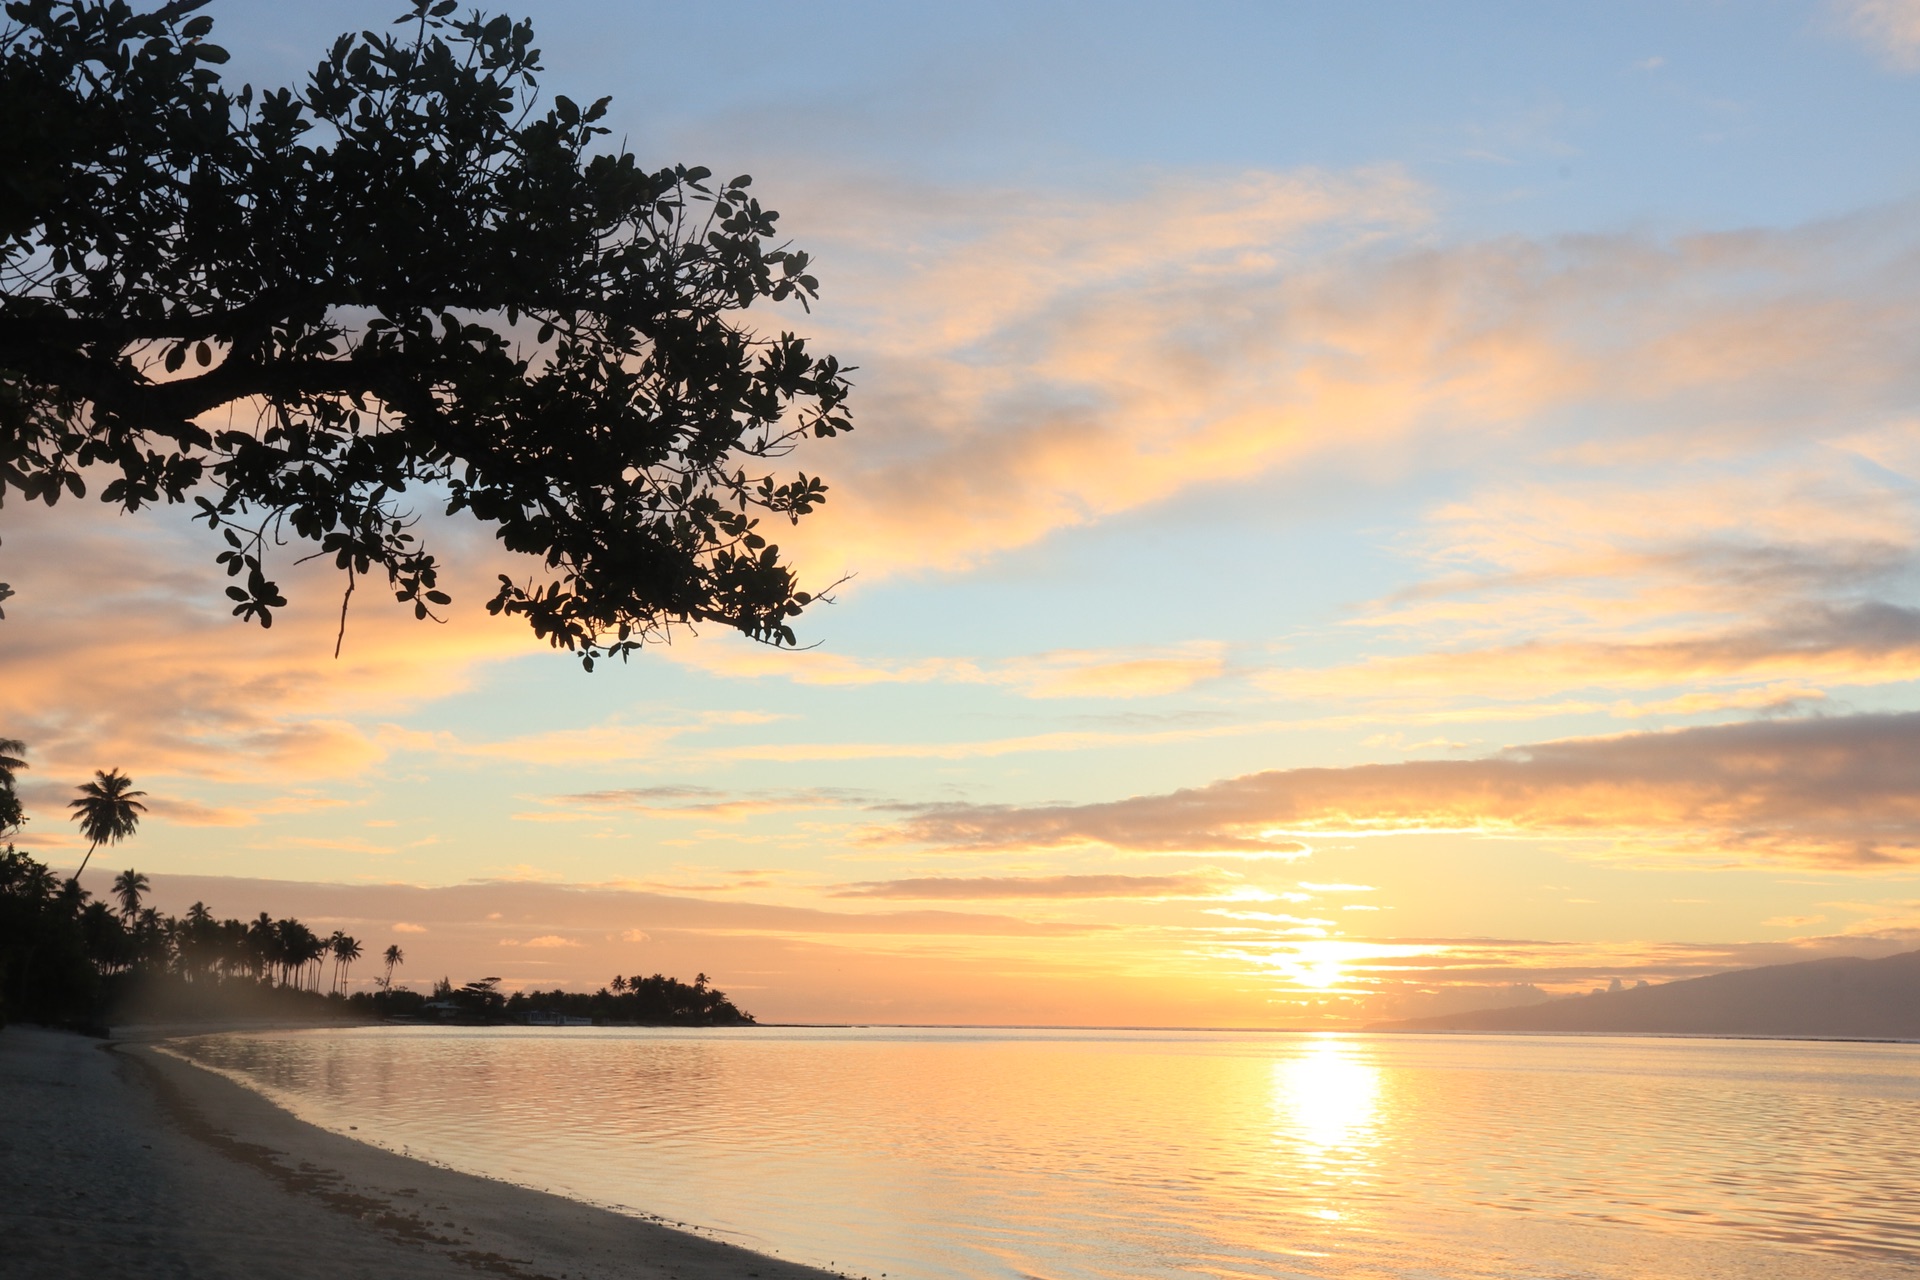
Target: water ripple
point(1100, 1155)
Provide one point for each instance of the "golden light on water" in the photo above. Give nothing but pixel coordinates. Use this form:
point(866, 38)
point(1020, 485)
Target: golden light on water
point(1326, 1099)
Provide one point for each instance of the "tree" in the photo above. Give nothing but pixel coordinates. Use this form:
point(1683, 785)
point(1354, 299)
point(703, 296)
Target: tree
point(262, 946)
point(108, 811)
point(394, 958)
point(345, 951)
point(301, 953)
point(409, 277)
point(128, 886)
point(12, 760)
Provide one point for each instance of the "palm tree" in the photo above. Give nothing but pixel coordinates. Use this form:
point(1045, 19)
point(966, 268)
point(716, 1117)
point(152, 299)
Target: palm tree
point(194, 941)
point(128, 886)
point(263, 946)
point(11, 752)
point(394, 957)
point(345, 951)
point(299, 947)
point(107, 811)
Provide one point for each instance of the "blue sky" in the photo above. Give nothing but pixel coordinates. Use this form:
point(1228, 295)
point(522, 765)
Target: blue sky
point(1243, 389)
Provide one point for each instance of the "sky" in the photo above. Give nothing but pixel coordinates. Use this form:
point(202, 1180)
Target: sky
point(1354, 512)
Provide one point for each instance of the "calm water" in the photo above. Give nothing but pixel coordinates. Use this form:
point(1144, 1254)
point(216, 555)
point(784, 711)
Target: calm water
point(1062, 1155)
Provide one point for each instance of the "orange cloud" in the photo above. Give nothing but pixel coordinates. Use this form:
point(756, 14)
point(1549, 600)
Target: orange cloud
point(1031, 378)
point(977, 888)
point(1829, 792)
point(1861, 644)
point(1759, 589)
point(119, 652)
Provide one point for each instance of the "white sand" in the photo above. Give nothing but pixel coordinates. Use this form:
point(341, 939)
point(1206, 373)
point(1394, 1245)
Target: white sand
point(116, 1160)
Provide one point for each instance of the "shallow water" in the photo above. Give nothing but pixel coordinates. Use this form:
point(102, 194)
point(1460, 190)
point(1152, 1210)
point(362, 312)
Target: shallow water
point(1101, 1154)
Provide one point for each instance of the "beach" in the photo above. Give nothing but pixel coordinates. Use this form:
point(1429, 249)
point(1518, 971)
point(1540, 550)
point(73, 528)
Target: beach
point(119, 1159)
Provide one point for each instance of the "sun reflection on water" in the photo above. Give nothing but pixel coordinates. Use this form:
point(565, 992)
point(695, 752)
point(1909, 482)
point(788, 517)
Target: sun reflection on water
point(1326, 1122)
point(967, 1154)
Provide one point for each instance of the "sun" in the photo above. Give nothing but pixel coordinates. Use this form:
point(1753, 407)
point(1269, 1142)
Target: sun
point(1321, 975)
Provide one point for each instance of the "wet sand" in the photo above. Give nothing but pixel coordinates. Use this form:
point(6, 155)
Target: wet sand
point(118, 1159)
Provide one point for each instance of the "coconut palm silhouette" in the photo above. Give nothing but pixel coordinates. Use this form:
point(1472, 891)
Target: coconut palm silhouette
point(128, 886)
point(346, 950)
point(13, 754)
point(108, 811)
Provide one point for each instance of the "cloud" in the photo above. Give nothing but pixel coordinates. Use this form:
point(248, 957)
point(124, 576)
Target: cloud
point(119, 650)
point(1111, 674)
point(402, 926)
point(1834, 792)
point(705, 804)
point(1865, 644)
point(611, 741)
point(1735, 584)
point(1065, 673)
point(1040, 361)
point(1030, 378)
point(344, 844)
point(975, 888)
point(1244, 966)
point(1891, 28)
point(190, 813)
point(1628, 541)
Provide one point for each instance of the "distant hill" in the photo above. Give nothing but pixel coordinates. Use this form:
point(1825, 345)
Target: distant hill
point(1844, 998)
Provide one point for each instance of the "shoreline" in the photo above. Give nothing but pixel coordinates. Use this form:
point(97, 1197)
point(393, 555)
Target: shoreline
point(121, 1157)
point(159, 1032)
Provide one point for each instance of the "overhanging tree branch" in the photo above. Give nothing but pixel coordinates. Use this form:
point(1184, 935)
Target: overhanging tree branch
point(418, 278)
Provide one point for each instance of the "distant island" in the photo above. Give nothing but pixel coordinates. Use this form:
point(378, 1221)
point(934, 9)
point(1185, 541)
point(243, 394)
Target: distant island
point(656, 1001)
point(1842, 999)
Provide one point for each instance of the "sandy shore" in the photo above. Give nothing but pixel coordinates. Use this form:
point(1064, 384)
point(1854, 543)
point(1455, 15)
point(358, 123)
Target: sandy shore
point(116, 1159)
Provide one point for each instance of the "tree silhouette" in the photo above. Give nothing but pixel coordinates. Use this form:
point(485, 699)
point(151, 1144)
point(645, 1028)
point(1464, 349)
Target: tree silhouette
point(345, 951)
point(417, 279)
point(128, 886)
point(262, 946)
point(108, 811)
point(300, 952)
point(63, 958)
point(12, 759)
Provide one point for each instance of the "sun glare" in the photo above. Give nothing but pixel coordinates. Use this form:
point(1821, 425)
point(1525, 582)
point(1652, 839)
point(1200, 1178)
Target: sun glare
point(1325, 1097)
point(1320, 975)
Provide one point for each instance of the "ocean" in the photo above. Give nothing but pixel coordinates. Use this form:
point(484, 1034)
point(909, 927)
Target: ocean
point(1101, 1155)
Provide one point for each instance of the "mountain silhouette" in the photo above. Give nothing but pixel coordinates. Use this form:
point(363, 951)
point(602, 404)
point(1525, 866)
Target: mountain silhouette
point(1843, 998)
